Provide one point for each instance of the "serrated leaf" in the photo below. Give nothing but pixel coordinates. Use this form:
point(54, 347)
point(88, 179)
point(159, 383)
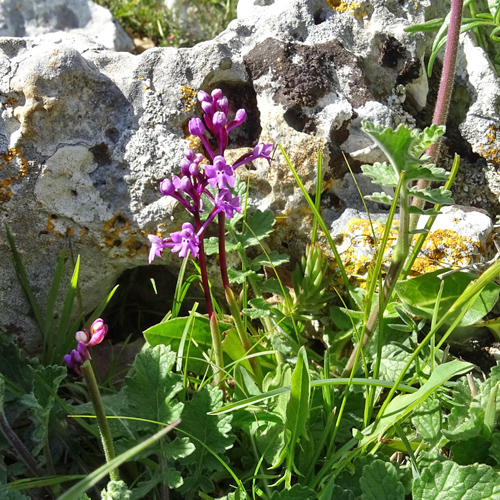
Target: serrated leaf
point(272, 285)
point(116, 490)
point(440, 195)
point(296, 492)
point(178, 448)
point(212, 430)
point(380, 482)
point(450, 481)
point(273, 258)
point(149, 392)
point(429, 173)
point(381, 173)
point(380, 198)
point(240, 277)
point(258, 227)
point(6, 494)
point(427, 420)
point(419, 295)
point(211, 245)
point(412, 209)
point(260, 309)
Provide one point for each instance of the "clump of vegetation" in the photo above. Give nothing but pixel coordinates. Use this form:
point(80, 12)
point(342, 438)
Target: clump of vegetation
point(186, 24)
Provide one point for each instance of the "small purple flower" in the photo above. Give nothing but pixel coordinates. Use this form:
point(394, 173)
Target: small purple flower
point(98, 331)
point(75, 360)
point(157, 246)
point(263, 150)
point(182, 183)
point(185, 240)
point(219, 173)
point(196, 127)
point(225, 201)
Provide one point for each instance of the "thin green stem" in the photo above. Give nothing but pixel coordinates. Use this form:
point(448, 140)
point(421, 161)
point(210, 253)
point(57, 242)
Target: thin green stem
point(95, 397)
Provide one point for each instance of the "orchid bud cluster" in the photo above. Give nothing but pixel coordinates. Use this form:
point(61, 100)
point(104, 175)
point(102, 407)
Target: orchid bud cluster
point(85, 339)
point(198, 173)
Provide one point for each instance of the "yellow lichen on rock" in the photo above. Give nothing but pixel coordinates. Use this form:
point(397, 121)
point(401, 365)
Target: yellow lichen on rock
point(338, 5)
point(9, 161)
point(188, 97)
point(489, 150)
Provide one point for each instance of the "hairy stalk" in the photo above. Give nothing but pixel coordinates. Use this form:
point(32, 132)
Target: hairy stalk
point(397, 262)
point(444, 95)
point(95, 397)
point(214, 325)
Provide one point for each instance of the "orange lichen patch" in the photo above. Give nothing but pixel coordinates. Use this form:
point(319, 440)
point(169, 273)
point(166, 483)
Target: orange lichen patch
point(58, 228)
point(446, 248)
point(282, 219)
point(188, 97)
point(10, 102)
point(118, 232)
point(11, 160)
point(357, 10)
point(338, 5)
point(489, 151)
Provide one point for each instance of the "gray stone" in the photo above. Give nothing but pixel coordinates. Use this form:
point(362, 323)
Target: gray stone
point(87, 134)
point(31, 18)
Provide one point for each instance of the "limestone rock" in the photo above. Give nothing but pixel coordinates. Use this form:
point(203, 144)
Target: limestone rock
point(23, 18)
point(87, 133)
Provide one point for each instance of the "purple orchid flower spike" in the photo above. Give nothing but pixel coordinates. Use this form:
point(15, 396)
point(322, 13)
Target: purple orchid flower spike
point(219, 174)
point(185, 240)
point(226, 203)
point(157, 246)
point(262, 150)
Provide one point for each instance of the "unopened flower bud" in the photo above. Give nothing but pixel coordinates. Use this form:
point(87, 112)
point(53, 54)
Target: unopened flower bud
point(98, 331)
point(194, 169)
point(241, 116)
point(189, 154)
point(198, 158)
point(82, 336)
point(203, 96)
point(167, 187)
point(196, 127)
point(223, 104)
point(219, 120)
point(208, 108)
point(216, 93)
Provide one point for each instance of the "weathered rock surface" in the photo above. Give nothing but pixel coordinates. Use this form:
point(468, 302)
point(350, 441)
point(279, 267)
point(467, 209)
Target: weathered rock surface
point(31, 18)
point(87, 134)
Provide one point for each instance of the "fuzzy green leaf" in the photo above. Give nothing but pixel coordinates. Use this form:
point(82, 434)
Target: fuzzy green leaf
point(296, 492)
point(429, 173)
point(273, 258)
point(427, 419)
point(149, 392)
point(211, 245)
point(440, 195)
point(116, 490)
point(380, 482)
point(212, 430)
point(380, 198)
point(381, 173)
point(241, 277)
point(450, 481)
point(258, 227)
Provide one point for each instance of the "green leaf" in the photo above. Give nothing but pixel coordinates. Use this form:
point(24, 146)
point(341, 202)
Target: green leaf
point(296, 492)
point(150, 390)
point(450, 481)
point(233, 347)
point(380, 198)
point(211, 245)
point(381, 173)
point(273, 258)
point(427, 420)
point(432, 25)
point(440, 195)
point(212, 430)
point(401, 406)
point(419, 295)
point(380, 482)
point(169, 333)
point(429, 173)
point(241, 277)
point(260, 308)
point(94, 477)
point(6, 494)
point(179, 448)
point(116, 490)
point(258, 227)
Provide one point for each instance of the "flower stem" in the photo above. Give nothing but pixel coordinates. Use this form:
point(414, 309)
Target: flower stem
point(214, 325)
point(95, 396)
point(444, 94)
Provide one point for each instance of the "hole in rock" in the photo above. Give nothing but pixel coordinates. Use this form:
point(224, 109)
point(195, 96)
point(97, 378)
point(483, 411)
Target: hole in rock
point(240, 95)
point(296, 119)
point(135, 306)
